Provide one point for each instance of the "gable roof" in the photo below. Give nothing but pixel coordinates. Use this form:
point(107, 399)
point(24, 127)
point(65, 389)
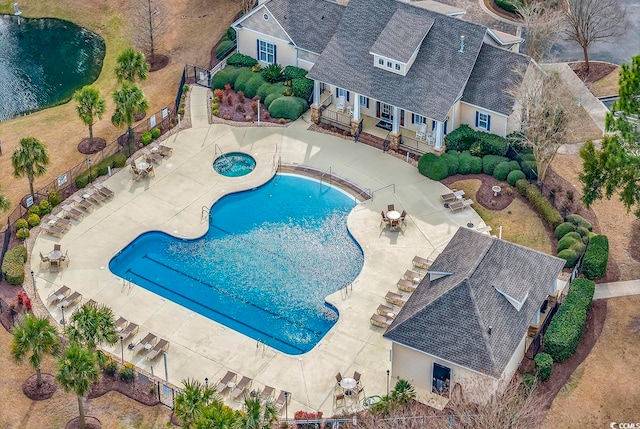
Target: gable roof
point(449, 317)
point(434, 82)
point(402, 35)
point(309, 23)
point(495, 71)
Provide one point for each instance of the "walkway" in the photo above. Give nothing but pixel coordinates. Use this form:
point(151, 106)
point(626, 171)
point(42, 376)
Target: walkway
point(172, 202)
point(616, 289)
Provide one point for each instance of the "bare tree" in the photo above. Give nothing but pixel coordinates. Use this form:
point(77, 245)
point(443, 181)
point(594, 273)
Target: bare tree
point(247, 5)
point(543, 26)
point(149, 19)
point(591, 20)
point(544, 109)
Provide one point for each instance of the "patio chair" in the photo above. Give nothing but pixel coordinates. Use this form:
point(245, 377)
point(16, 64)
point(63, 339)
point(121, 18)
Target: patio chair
point(412, 276)
point(421, 263)
point(385, 220)
point(385, 310)
point(72, 212)
point(149, 171)
point(337, 399)
point(431, 139)
point(391, 207)
point(72, 299)
point(460, 205)
point(57, 247)
point(338, 379)
point(142, 344)
point(43, 260)
point(54, 296)
point(222, 385)
point(283, 398)
point(137, 173)
point(95, 196)
point(56, 231)
point(380, 321)
point(422, 132)
point(241, 387)
point(106, 192)
point(82, 203)
point(165, 150)
point(406, 285)
point(160, 347)
point(395, 298)
point(340, 104)
point(130, 330)
point(54, 265)
point(267, 394)
point(120, 324)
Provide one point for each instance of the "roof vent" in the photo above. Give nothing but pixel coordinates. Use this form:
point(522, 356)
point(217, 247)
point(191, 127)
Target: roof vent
point(461, 44)
point(489, 329)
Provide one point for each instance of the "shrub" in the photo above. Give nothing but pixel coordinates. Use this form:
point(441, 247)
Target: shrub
point(273, 73)
point(217, 95)
point(21, 224)
point(563, 229)
point(292, 72)
point(489, 163)
point(242, 80)
point(476, 165)
point(181, 111)
point(257, 68)
point(529, 380)
point(215, 112)
point(501, 171)
point(241, 60)
point(539, 203)
point(119, 160)
point(155, 133)
point(110, 367)
point(82, 180)
point(33, 220)
point(594, 264)
point(508, 5)
point(230, 33)
point(287, 107)
point(264, 90)
point(544, 365)
point(282, 121)
point(34, 209)
point(452, 160)
point(570, 256)
point(55, 198)
point(566, 242)
point(530, 169)
point(226, 76)
point(461, 138)
point(240, 96)
point(45, 206)
point(514, 165)
point(224, 48)
point(566, 327)
point(578, 220)
point(464, 163)
point(432, 166)
point(146, 138)
point(252, 86)
point(127, 373)
point(521, 186)
point(514, 176)
point(13, 263)
point(302, 87)
point(492, 144)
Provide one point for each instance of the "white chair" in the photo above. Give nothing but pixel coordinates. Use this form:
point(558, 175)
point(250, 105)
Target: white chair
point(431, 138)
point(422, 132)
point(340, 105)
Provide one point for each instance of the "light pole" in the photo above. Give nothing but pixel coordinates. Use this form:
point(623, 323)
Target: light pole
point(388, 373)
point(206, 382)
point(33, 279)
point(62, 322)
point(89, 162)
point(286, 405)
point(122, 347)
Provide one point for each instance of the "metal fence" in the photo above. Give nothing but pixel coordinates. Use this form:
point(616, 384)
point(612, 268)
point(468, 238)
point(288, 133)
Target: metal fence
point(183, 80)
point(198, 75)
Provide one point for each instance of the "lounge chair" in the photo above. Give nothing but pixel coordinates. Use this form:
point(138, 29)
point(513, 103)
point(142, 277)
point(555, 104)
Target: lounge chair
point(283, 397)
point(385, 310)
point(72, 299)
point(422, 263)
point(120, 324)
point(241, 387)
point(58, 222)
point(460, 205)
point(160, 347)
point(56, 295)
point(56, 231)
point(412, 276)
point(145, 343)
point(95, 196)
point(395, 298)
point(82, 203)
point(267, 394)
point(222, 385)
point(452, 196)
point(106, 192)
point(165, 150)
point(406, 285)
point(130, 330)
point(380, 321)
point(72, 212)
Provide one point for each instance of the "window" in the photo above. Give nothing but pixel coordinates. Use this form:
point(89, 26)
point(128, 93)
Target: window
point(266, 52)
point(342, 92)
point(380, 61)
point(389, 64)
point(364, 101)
point(419, 120)
point(397, 66)
point(483, 121)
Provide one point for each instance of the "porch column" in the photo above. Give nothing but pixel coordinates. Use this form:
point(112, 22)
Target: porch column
point(315, 107)
point(439, 131)
point(394, 135)
point(355, 119)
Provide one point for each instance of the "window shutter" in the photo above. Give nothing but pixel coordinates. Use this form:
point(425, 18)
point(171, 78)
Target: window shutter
point(488, 122)
point(337, 92)
point(347, 95)
point(433, 125)
point(258, 49)
point(477, 113)
point(367, 102)
point(275, 58)
point(413, 118)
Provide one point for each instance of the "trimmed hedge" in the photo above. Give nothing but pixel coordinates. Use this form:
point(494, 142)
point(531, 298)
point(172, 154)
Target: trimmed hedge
point(501, 171)
point(270, 99)
point(539, 203)
point(478, 142)
point(432, 166)
point(293, 72)
point(578, 220)
point(224, 47)
point(116, 160)
point(544, 365)
point(452, 159)
point(489, 163)
point(464, 162)
point(563, 229)
point(460, 139)
point(287, 107)
point(13, 265)
point(476, 165)
point(241, 60)
point(302, 87)
point(566, 328)
point(243, 78)
point(594, 264)
point(492, 144)
point(251, 87)
point(514, 176)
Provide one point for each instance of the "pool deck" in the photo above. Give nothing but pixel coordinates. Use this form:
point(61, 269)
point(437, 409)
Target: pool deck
point(173, 202)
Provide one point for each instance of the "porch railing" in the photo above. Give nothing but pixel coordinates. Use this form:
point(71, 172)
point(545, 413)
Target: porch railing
point(327, 101)
point(339, 120)
point(413, 145)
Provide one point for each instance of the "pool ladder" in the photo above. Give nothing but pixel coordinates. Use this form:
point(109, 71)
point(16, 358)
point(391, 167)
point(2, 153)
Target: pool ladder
point(205, 210)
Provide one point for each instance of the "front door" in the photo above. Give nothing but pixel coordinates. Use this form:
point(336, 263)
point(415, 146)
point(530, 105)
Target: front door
point(386, 112)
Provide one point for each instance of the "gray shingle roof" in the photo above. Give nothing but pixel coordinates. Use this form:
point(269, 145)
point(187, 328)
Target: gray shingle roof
point(495, 71)
point(437, 77)
point(402, 35)
point(449, 317)
point(310, 23)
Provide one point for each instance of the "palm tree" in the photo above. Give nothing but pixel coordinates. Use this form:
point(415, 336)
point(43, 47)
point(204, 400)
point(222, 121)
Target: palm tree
point(130, 65)
point(190, 403)
point(35, 335)
point(91, 326)
point(30, 159)
point(258, 416)
point(5, 204)
point(217, 415)
point(89, 105)
point(130, 101)
point(77, 370)
point(403, 393)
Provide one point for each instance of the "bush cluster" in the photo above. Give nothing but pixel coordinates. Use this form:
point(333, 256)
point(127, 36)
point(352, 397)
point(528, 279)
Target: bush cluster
point(273, 73)
point(489, 163)
point(434, 167)
point(241, 60)
point(13, 265)
point(579, 221)
point(302, 87)
point(565, 330)
point(292, 72)
point(287, 107)
point(514, 176)
point(33, 220)
point(478, 142)
point(544, 365)
point(253, 84)
point(126, 372)
point(539, 203)
point(117, 160)
point(55, 198)
point(594, 264)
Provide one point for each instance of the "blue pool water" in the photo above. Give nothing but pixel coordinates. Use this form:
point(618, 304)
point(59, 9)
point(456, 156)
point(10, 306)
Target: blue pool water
point(234, 164)
point(264, 267)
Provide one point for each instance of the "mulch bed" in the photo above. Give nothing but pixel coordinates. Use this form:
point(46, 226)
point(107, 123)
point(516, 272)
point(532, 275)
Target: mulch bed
point(597, 70)
point(231, 108)
point(89, 423)
point(39, 393)
point(485, 194)
point(136, 391)
point(87, 148)
point(158, 62)
point(562, 371)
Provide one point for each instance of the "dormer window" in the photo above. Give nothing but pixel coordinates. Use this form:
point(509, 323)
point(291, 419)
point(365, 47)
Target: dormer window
point(397, 66)
point(380, 61)
point(389, 64)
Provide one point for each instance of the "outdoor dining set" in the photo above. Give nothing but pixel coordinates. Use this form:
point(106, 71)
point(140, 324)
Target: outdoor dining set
point(142, 167)
point(55, 259)
point(347, 388)
point(393, 219)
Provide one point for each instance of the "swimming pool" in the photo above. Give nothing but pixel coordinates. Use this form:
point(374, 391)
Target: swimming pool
point(265, 266)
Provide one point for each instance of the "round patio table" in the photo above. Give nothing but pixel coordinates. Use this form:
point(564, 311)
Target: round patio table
point(347, 384)
point(393, 215)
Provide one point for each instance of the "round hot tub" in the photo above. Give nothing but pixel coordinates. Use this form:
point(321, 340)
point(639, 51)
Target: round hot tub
point(234, 164)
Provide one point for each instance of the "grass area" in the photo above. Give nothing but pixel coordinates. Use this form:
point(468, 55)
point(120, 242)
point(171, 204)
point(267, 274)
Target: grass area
point(114, 410)
point(606, 391)
point(194, 27)
point(530, 233)
point(606, 86)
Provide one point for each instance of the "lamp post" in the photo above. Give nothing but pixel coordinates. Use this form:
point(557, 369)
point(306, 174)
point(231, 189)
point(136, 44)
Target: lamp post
point(388, 373)
point(286, 405)
point(89, 162)
point(122, 347)
point(206, 382)
point(33, 279)
point(62, 322)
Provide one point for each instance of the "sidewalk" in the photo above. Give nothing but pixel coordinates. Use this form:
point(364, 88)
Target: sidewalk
point(616, 289)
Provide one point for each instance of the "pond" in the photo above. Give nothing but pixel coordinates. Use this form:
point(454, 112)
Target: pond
point(43, 61)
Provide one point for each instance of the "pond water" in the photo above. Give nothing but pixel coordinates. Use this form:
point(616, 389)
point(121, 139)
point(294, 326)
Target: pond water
point(43, 61)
